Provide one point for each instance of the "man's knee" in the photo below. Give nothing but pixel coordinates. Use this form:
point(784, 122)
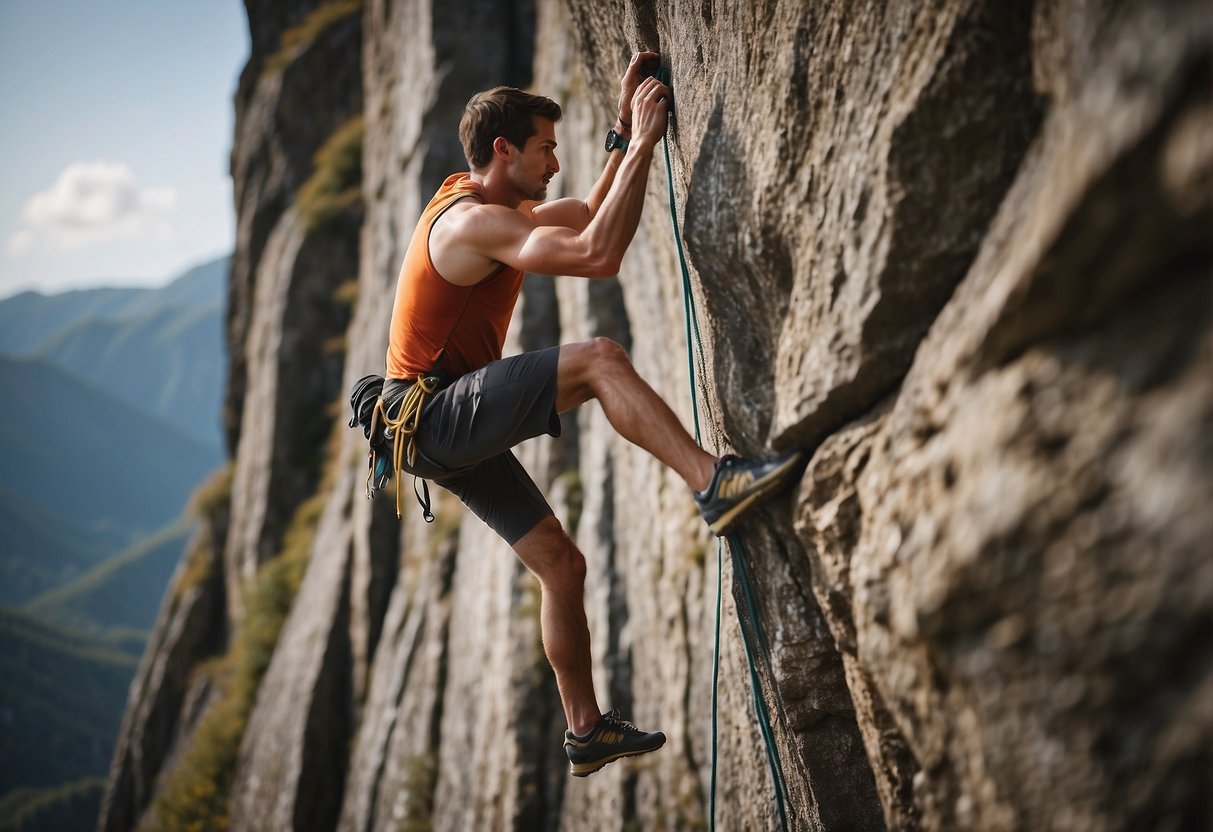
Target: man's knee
point(606, 362)
point(571, 566)
point(608, 353)
point(567, 566)
point(551, 554)
point(585, 367)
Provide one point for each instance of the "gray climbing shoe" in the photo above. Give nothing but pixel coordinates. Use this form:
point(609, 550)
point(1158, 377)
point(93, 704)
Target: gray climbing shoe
point(612, 738)
point(739, 484)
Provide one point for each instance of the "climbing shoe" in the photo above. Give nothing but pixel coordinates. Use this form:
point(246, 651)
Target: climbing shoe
point(737, 484)
point(610, 739)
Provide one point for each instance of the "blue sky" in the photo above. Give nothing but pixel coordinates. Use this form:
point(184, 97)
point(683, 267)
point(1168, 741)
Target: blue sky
point(115, 127)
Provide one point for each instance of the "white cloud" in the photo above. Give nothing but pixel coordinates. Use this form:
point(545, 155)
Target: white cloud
point(21, 241)
point(92, 202)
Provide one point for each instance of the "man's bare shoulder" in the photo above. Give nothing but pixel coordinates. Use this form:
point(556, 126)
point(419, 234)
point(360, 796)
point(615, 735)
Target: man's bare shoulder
point(471, 222)
point(495, 233)
point(466, 240)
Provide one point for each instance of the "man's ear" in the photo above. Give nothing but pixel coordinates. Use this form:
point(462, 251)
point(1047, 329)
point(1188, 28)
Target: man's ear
point(502, 147)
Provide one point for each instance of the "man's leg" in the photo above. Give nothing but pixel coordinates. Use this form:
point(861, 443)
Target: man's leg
point(594, 739)
point(600, 369)
point(552, 557)
point(724, 490)
point(467, 429)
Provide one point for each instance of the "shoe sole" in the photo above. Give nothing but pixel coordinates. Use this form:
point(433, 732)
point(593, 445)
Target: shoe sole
point(773, 481)
point(586, 769)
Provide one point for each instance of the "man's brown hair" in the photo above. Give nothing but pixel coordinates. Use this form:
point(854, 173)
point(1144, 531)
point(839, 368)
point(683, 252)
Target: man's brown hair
point(505, 112)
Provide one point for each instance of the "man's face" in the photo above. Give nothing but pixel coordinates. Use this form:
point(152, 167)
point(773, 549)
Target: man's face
point(533, 168)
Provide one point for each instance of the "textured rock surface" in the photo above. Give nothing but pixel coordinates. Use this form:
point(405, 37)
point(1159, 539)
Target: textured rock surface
point(960, 250)
point(282, 311)
point(165, 698)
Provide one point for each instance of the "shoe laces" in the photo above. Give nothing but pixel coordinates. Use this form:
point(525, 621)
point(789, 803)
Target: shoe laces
point(617, 721)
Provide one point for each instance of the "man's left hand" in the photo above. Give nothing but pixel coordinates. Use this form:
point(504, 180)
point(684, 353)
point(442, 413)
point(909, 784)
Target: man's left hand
point(642, 64)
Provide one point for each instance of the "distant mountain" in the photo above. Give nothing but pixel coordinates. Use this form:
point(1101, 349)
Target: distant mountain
point(203, 285)
point(41, 548)
point(168, 361)
point(61, 699)
point(63, 686)
point(125, 591)
point(75, 450)
point(28, 319)
point(67, 808)
point(31, 318)
point(110, 419)
point(159, 349)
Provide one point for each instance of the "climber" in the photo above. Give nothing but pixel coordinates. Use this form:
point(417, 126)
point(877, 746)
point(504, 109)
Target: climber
point(464, 407)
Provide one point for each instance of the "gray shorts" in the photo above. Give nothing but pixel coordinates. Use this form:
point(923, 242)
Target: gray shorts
point(468, 428)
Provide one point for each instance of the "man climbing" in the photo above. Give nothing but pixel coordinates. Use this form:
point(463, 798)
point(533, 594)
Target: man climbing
point(462, 407)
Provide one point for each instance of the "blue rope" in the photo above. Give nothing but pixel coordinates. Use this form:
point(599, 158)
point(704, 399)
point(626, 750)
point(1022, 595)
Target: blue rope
point(738, 550)
point(716, 678)
point(688, 303)
point(741, 568)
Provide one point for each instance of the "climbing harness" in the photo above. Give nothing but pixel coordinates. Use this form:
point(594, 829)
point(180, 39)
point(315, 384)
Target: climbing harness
point(380, 427)
point(755, 641)
point(401, 431)
point(397, 433)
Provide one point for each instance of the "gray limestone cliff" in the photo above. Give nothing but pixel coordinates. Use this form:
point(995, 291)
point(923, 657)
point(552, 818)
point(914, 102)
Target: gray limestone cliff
point(961, 251)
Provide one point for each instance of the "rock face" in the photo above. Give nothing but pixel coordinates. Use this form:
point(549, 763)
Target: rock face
point(960, 251)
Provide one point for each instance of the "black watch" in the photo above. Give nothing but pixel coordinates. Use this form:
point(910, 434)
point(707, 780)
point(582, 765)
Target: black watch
point(614, 140)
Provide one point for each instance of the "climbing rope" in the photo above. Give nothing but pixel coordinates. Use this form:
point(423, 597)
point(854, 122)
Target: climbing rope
point(402, 430)
point(740, 569)
point(688, 303)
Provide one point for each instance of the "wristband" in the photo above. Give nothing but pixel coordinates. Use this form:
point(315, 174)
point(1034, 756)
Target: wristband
point(614, 141)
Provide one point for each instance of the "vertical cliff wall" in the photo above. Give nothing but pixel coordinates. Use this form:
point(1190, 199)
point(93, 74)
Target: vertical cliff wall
point(958, 250)
point(297, 184)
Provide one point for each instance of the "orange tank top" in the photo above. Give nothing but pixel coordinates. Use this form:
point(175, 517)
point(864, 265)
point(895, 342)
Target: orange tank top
point(431, 319)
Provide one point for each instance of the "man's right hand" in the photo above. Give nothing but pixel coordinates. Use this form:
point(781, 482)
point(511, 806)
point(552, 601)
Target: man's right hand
point(650, 108)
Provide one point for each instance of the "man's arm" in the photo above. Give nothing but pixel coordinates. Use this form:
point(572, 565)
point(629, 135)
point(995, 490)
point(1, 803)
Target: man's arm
point(508, 236)
point(576, 213)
